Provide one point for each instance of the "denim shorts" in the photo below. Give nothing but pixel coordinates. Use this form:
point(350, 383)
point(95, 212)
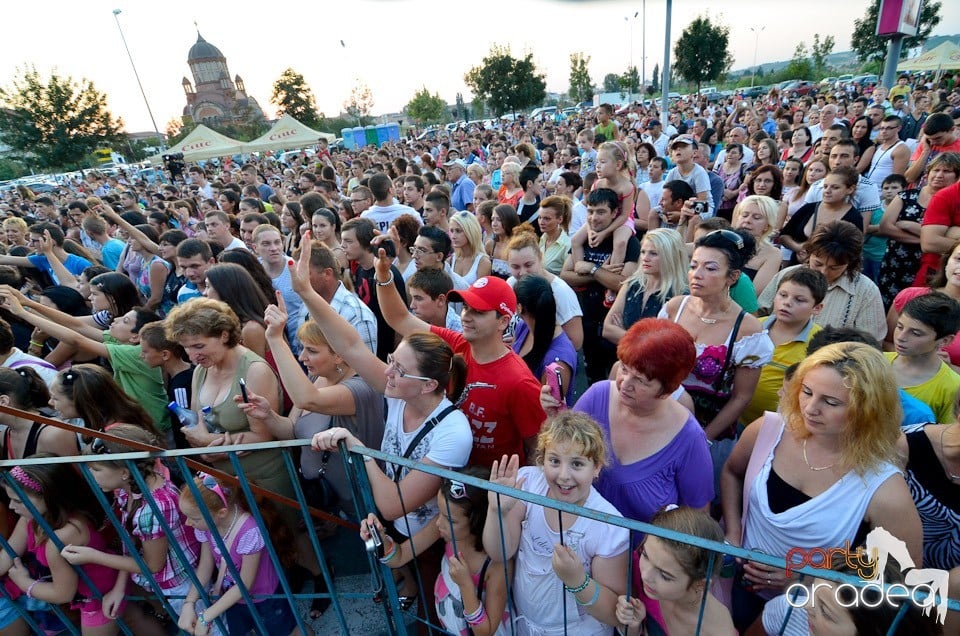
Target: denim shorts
point(275, 613)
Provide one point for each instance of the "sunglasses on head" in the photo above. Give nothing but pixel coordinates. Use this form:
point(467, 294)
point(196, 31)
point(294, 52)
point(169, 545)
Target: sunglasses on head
point(211, 483)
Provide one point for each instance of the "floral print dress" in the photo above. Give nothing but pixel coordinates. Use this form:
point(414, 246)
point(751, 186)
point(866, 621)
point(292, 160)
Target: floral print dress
point(901, 261)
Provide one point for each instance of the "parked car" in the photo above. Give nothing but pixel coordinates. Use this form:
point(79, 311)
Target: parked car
point(712, 96)
point(798, 88)
point(752, 92)
point(828, 81)
point(866, 80)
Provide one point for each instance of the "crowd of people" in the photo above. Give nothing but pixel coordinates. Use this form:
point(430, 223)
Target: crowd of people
point(741, 312)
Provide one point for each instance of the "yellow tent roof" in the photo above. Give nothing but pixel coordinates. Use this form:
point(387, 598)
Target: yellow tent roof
point(946, 57)
point(287, 134)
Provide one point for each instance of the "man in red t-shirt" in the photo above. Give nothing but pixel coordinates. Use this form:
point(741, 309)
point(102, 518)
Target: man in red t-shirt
point(502, 395)
point(939, 136)
point(939, 231)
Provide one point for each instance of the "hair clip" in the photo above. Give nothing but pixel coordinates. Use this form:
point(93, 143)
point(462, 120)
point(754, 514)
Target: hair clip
point(457, 490)
point(21, 476)
point(99, 447)
point(670, 507)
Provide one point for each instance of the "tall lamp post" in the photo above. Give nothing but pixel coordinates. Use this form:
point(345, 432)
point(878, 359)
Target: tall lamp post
point(631, 21)
point(643, 45)
point(163, 145)
point(756, 44)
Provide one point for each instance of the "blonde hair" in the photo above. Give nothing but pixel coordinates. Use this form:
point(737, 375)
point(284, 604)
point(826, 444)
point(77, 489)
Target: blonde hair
point(474, 169)
point(673, 263)
point(204, 318)
point(873, 408)
point(471, 229)
point(574, 428)
point(15, 222)
point(310, 333)
point(511, 167)
point(767, 205)
point(619, 151)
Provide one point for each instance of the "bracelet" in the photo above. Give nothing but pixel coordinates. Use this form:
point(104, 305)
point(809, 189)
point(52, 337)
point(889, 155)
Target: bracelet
point(30, 589)
point(593, 599)
point(202, 620)
point(581, 587)
point(34, 343)
point(477, 617)
point(386, 558)
point(387, 282)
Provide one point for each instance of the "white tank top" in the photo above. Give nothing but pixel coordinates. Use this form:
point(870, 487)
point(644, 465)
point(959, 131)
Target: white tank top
point(881, 166)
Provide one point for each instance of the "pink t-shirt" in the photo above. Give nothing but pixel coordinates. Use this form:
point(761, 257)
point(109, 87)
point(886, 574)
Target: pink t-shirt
point(247, 541)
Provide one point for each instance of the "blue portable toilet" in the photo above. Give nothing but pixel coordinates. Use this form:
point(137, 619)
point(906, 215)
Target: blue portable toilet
point(371, 135)
point(382, 134)
point(347, 135)
point(393, 131)
point(359, 140)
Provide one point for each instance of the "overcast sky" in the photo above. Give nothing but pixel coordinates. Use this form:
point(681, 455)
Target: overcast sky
point(396, 46)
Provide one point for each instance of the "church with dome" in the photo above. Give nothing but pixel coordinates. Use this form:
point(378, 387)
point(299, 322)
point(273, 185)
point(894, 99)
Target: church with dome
point(212, 97)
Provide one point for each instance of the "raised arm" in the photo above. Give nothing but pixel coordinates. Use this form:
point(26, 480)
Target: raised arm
point(82, 324)
point(339, 333)
point(330, 400)
point(394, 311)
point(129, 228)
point(59, 270)
point(54, 329)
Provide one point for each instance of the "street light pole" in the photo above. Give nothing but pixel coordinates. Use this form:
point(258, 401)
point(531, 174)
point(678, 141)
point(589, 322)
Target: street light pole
point(643, 45)
point(756, 44)
point(163, 145)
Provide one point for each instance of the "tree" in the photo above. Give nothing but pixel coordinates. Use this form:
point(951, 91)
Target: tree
point(425, 108)
point(630, 81)
point(799, 66)
point(701, 53)
point(55, 123)
point(871, 48)
point(505, 83)
point(360, 102)
point(581, 88)
point(759, 72)
point(655, 80)
point(820, 51)
point(293, 97)
point(611, 83)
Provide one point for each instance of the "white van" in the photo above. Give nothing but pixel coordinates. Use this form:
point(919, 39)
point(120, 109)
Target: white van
point(546, 111)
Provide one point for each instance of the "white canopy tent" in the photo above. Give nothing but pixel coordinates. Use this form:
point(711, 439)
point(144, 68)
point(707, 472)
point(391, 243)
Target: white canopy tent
point(287, 134)
point(204, 143)
point(945, 57)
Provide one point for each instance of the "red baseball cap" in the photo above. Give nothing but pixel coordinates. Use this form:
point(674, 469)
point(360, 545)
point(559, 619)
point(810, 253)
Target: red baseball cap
point(488, 293)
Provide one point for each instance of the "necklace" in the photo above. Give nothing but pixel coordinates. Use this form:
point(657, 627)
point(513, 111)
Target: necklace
point(707, 321)
point(943, 453)
point(807, 461)
point(236, 515)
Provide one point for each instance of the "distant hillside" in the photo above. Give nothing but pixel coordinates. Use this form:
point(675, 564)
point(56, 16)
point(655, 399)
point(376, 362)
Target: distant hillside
point(847, 60)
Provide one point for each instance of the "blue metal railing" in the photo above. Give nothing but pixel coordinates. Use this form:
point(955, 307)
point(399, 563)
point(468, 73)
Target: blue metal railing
point(383, 586)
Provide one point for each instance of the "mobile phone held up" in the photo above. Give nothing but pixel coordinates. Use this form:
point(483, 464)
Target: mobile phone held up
point(555, 382)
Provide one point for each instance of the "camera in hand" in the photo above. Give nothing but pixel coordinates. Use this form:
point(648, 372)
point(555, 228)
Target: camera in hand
point(700, 207)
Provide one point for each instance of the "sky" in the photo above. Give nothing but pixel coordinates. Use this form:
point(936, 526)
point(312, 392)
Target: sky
point(395, 46)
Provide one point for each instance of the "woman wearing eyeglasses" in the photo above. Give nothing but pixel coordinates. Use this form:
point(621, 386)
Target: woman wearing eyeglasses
point(421, 424)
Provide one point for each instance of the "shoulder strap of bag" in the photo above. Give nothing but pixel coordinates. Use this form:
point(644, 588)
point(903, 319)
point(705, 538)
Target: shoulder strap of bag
point(429, 426)
point(726, 362)
point(766, 439)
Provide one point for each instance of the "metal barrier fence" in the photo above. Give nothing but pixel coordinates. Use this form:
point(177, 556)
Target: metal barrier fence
point(384, 590)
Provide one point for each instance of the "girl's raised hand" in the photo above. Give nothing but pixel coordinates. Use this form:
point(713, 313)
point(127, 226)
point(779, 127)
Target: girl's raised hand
point(300, 270)
point(568, 566)
point(630, 612)
point(276, 318)
point(459, 571)
point(504, 473)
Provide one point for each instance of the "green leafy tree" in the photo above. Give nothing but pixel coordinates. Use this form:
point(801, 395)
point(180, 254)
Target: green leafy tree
point(505, 83)
point(630, 81)
point(293, 97)
point(55, 122)
point(360, 102)
point(581, 88)
point(425, 108)
point(655, 80)
point(701, 53)
point(871, 48)
point(799, 66)
point(820, 50)
point(611, 83)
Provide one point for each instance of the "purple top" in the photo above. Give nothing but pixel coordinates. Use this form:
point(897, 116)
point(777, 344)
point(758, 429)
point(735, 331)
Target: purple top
point(679, 473)
point(561, 350)
point(248, 540)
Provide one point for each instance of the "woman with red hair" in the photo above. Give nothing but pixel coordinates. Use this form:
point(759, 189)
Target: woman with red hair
point(657, 451)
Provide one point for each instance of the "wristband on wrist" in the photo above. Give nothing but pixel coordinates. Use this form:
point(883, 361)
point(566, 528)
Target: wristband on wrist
point(476, 618)
point(202, 620)
point(593, 599)
point(387, 282)
point(34, 343)
point(30, 588)
point(581, 587)
point(389, 556)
